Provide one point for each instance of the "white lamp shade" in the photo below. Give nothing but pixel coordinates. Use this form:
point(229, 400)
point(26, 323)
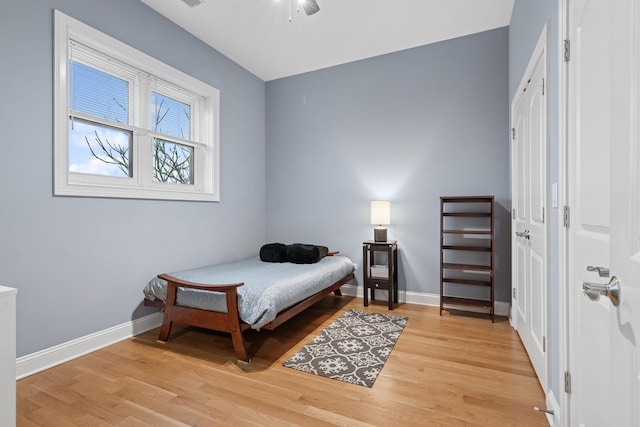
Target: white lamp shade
point(380, 212)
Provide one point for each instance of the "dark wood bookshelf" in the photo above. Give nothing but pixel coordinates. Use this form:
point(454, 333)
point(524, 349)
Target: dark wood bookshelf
point(457, 213)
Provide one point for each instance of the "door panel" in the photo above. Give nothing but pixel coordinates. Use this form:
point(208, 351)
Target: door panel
point(529, 179)
point(520, 271)
point(588, 197)
point(624, 320)
point(537, 196)
point(520, 171)
point(537, 143)
point(603, 192)
point(538, 310)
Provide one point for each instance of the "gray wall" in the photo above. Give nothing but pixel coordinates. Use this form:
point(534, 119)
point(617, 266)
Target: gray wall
point(527, 21)
point(407, 127)
point(79, 264)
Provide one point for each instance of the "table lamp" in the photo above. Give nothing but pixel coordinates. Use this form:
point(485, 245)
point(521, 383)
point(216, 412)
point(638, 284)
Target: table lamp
point(380, 215)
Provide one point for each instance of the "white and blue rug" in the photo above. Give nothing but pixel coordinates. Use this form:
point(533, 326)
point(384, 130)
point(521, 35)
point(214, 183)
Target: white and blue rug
point(353, 348)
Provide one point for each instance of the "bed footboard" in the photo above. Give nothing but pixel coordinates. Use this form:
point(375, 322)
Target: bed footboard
point(225, 322)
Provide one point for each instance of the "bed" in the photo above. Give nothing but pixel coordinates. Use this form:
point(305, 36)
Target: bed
point(235, 296)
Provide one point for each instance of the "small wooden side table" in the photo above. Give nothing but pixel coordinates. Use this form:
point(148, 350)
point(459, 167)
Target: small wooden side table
point(380, 276)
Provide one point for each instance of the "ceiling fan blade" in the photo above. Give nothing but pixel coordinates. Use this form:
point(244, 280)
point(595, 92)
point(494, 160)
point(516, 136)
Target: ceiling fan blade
point(310, 7)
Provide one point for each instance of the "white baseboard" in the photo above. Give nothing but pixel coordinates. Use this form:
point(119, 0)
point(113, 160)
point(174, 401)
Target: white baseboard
point(56, 355)
point(552, 404)
point(422, 298)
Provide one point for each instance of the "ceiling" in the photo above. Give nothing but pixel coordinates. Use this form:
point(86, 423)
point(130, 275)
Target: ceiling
point(257, 34)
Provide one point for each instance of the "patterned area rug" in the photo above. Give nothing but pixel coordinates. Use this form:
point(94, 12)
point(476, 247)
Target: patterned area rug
point(352, 349)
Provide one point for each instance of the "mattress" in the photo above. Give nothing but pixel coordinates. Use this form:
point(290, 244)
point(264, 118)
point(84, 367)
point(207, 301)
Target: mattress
point(268, 287)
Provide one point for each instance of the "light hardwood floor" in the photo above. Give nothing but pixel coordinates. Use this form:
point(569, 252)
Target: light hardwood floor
point(455, 370)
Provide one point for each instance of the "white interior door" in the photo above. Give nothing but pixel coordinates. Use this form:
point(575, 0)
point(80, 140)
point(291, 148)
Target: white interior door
point(625, 210)
point(604, 227)
point(529, 183)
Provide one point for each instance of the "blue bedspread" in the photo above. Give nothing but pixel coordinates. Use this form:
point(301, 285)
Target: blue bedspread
point(268, 287)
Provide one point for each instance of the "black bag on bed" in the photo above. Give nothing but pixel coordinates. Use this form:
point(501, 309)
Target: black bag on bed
point(274, 252)
point(299, 253)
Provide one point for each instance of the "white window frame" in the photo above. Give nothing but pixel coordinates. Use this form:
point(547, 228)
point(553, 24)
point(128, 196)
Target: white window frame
point(204, 133)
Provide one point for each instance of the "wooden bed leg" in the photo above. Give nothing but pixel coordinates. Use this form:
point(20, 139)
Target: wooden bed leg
point(234, 326)
point(337, 292)
point(238, 346)
point(165, 330)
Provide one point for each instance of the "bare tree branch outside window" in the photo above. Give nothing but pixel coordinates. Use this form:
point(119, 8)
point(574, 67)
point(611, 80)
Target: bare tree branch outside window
point(172, 161)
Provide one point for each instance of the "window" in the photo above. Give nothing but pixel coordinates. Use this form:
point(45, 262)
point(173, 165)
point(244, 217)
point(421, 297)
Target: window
point(127, 125)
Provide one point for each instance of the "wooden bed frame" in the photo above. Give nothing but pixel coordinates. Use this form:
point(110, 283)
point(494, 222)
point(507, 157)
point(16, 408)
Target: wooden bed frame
point(225, 322)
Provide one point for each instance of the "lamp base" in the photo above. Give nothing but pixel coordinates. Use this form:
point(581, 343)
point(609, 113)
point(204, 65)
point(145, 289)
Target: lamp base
point(379, 234)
